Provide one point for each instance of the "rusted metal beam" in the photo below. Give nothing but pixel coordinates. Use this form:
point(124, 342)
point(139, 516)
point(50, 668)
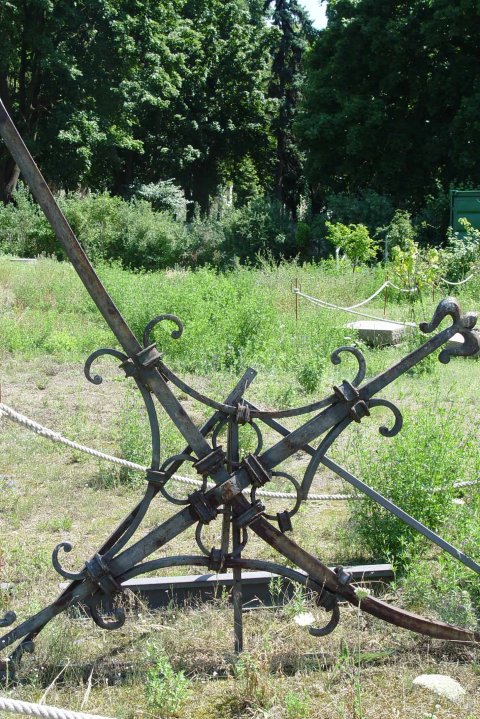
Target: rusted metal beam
point(118, 560)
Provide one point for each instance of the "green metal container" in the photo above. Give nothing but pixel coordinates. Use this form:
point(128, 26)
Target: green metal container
point(464, 203)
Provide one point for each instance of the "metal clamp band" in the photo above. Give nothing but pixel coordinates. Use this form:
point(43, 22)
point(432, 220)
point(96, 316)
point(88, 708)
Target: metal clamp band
point(250, 514)
point(149, 356)
point(211, 463)
point(257, 473)
point(157, 478)
point(99, 572)
point(200, 508)
point(216, 560)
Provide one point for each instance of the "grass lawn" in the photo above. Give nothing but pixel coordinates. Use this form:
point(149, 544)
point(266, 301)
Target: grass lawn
point(50, 494)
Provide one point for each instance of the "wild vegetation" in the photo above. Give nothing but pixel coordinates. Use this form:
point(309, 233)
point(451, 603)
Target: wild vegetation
point(232, 320)
point(244, 100)
point(210, 155)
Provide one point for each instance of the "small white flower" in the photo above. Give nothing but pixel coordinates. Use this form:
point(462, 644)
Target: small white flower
point(304, 619)
point(362, 593)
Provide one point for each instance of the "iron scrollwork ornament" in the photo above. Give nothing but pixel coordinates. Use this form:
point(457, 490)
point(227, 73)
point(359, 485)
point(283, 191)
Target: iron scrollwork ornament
point(225, 478)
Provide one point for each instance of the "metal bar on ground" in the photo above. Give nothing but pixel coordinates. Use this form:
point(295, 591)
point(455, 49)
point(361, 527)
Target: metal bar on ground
point(161, 592)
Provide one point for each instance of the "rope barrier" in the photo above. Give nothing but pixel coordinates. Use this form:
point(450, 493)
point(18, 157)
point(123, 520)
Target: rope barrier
point(15, 706)
point(329, 305)
point(387, 283)
point(42, 431)
point(462, 282)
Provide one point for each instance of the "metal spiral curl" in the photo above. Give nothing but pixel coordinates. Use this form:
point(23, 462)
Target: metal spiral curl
point(329, 627)
point(8, 619)
point(198, 539)
point(238, 549)
point(164, 468)
point(67, 547)
point(176, 334)
point(463, 323)
point(362, 365)
point(398, 423)
point(98, 379)
point(109, 624)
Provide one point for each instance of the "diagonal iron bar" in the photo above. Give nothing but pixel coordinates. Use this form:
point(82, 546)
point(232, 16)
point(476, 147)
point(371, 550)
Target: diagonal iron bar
point(117, 560)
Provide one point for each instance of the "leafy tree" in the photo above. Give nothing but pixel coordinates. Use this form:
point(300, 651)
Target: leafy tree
point(292, 37)
point(354, 240)
point(416, 269)
point(76, 75)
point(403, 127)
point(217, 124)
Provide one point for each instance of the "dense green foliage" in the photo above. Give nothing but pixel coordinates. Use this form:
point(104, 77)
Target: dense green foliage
point(403, 127)
point(205, 108)
point(114, 94)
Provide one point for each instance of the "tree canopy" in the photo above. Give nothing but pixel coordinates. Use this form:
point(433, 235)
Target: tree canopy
point(392, 99)
point(109, 93)
point(377, 111)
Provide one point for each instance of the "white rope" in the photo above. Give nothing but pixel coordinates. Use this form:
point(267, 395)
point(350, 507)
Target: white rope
point(15, 706)
point(462, 282)
point(329, 305)
point(42, 431)
point(387, 283)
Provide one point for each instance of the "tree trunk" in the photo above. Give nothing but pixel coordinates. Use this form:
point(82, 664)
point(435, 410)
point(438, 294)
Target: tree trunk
point(9, 176)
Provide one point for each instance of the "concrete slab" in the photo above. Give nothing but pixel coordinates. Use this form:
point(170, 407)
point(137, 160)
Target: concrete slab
point(377, 333)
point(457, 342)
point(159, 592)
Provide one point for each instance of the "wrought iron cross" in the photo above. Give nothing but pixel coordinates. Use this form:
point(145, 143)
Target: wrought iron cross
point(233, 496)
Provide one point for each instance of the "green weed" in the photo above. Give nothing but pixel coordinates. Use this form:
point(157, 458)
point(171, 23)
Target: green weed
point(165, 689)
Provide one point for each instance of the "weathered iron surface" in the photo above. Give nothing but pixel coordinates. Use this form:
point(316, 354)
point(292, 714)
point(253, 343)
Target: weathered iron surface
point(99, 581)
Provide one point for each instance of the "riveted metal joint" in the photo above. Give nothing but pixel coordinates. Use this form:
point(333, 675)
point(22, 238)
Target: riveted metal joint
point(157, 478)
point(359, 410)
point(284, 522)
point(216, 560)
point(211, 463)
point(250, 514)
point(344, 577)
point(243, 413)
point(129, 368)
point(149, 356)
point(324, 597)
point(257, 473)
point(346, 392)
point(200, 507)
point(99, 572)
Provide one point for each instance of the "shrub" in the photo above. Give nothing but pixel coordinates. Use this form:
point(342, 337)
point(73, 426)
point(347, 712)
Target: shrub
point(107, 227)
point(399, 232)
point(261, 227)
point(416, 470)
point(132, 232)
point(415, 268)
point(354, 240)
point(164, 196)
point(204, 243)
point(165, 689)
point(24, 230)
point(462, 252)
